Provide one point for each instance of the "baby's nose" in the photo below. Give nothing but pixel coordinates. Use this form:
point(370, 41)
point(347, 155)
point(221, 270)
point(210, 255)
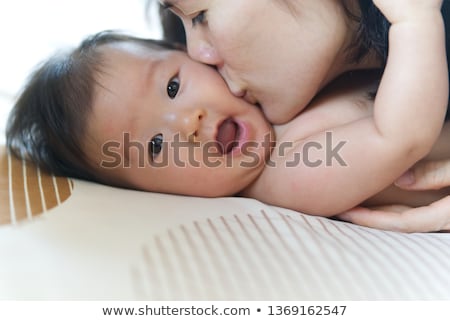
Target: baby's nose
point(190, 123)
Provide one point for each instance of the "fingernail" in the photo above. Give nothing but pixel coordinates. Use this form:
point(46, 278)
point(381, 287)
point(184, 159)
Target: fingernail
point(406, 179)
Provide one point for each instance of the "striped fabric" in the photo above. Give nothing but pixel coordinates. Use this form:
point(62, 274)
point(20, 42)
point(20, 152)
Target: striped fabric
point(26, 192)
point(282, 255)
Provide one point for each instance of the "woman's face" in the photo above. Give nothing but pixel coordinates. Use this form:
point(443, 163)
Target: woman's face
point(275, 53)
point(163, 122)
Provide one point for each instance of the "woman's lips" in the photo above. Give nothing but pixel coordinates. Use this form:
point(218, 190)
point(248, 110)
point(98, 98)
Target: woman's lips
point(227, 135)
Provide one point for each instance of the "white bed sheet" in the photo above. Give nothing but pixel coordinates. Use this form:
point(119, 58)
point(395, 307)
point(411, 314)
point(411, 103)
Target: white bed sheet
point(106, 243)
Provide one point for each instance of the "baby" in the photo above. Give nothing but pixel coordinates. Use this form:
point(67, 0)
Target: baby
point(141, 114)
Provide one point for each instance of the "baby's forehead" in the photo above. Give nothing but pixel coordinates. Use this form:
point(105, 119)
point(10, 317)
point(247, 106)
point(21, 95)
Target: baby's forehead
point(132, 48)
point(135, 50)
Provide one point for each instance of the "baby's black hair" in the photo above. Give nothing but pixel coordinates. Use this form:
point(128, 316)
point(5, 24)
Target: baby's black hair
point(47, 124)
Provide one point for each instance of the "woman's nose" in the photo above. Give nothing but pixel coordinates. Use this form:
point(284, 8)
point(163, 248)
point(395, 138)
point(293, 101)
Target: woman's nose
point(202, 50)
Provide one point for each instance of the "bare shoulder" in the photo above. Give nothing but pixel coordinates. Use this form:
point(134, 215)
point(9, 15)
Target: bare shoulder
point(347, 99)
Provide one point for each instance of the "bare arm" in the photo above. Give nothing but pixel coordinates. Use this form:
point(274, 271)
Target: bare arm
point(371, 151)
point(412, 98)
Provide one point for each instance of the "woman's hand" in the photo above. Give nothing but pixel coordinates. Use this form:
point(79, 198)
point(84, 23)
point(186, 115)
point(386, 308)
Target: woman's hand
point(432, 218)
point(426, 175)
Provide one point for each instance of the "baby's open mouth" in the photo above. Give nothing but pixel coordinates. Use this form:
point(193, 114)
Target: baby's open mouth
point(227, 136)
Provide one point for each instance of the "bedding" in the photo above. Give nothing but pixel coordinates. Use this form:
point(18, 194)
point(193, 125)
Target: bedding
point(71, 239)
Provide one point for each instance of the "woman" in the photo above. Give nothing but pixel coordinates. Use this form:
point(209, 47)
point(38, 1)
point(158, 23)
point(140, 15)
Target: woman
point(254, 46)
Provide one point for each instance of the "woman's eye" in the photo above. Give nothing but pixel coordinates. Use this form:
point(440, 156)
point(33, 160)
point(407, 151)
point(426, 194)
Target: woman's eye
point(199, 18)
point(155, 145)
point(172, 87)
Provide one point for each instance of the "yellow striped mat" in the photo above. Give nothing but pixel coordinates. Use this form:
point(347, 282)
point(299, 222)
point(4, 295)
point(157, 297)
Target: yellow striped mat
point(26, 192)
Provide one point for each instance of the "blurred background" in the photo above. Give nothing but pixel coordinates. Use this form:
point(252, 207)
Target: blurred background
point(31, 30)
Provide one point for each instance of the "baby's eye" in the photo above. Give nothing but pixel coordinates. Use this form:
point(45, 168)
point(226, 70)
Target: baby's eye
point(155, 145)
point(199, 18)
point(172, 87)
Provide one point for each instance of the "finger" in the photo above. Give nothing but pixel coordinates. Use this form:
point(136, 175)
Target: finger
point(432, 218)
point(374, 218)
point(427, 175)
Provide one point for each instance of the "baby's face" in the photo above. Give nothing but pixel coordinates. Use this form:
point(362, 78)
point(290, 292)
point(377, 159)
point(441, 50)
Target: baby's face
point(162, 122)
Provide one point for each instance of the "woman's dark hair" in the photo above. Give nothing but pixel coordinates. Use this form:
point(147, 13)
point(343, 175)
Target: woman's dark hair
point(172, 27)
point(47, 124)
point(372, 34)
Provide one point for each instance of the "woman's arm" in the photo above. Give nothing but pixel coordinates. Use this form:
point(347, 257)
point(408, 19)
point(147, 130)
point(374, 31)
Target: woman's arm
point(432, 218)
